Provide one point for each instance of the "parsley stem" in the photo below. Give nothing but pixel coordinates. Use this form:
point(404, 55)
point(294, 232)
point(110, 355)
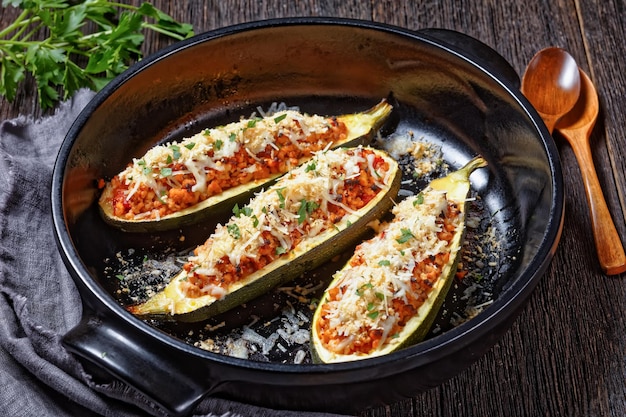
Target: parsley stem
point(16, 23)
point(163, 31)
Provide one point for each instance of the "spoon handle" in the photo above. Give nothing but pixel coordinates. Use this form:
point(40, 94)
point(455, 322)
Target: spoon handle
point(608, 243)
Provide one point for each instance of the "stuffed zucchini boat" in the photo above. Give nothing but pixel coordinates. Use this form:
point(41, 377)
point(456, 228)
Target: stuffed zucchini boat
point(389, 292)
point(308, 216)
point(180, 183)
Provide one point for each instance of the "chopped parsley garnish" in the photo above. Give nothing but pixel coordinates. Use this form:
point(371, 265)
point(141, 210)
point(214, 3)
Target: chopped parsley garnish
point(252, 122)
point(280, 250)
point(372, 315)
point(281, 197)
point(218, 144)
point(384, 262)
point(175, 151)
point(145, 169)
point(277, 119)
point(311, 167)
point(120, 277)
point(405, 236)
point(190, 145)
point(306, 208)
point(245, 210)
point(166, 172)
point(419, 199)
point(234, 231)
point(232, 137)
point(363, 287)
point(169, 159)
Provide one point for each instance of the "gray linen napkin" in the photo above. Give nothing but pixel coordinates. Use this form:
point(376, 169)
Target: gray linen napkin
point(38, 300)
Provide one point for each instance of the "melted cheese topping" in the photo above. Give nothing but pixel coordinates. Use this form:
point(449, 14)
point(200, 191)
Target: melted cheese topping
point(298, 207)
point(382, 270)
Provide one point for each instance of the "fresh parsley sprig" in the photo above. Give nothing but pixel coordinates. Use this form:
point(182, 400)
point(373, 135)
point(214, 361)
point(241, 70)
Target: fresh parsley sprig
point(88, 43)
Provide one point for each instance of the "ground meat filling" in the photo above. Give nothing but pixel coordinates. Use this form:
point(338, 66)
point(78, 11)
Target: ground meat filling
point(384, 305)
point(300, 217)
point(169, 185)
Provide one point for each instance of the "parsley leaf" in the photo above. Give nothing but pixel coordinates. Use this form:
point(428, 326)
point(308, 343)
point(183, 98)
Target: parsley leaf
point(363, 287)
point(245, 210)
point(419, 199)
point(175, 151)
point(234, 231)
point(281, 197)
point(88, 44)
point(278, 119)
point(311, 167)
point(306, 208)
point(405, 236)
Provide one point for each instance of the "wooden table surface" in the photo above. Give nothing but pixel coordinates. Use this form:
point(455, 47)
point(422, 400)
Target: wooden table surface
point(566, 353)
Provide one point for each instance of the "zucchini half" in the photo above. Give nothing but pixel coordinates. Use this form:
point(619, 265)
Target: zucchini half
point(361, 128)
point(304, 199)
point(357, 317)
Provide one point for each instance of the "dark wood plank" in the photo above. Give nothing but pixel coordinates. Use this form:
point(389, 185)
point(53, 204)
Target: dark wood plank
point(603, 26)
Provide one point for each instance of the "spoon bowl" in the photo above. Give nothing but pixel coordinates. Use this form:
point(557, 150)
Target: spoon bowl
point(576, 127)
point(551, 83)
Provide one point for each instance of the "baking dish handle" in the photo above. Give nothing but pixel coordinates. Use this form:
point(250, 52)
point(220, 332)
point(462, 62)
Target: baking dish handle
point(479, 52)
point(107, 349)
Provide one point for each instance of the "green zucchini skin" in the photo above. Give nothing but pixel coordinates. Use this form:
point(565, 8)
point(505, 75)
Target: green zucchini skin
point(306, 256)
point(456, 186)
point(362, 128)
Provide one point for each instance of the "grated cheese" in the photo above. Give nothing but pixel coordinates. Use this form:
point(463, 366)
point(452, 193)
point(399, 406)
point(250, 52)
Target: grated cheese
point(283, 209)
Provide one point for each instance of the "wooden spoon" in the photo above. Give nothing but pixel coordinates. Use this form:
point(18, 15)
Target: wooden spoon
point(551, 83)
point(576, 127)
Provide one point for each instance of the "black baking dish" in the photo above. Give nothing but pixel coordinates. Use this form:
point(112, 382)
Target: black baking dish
point(446, 86)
